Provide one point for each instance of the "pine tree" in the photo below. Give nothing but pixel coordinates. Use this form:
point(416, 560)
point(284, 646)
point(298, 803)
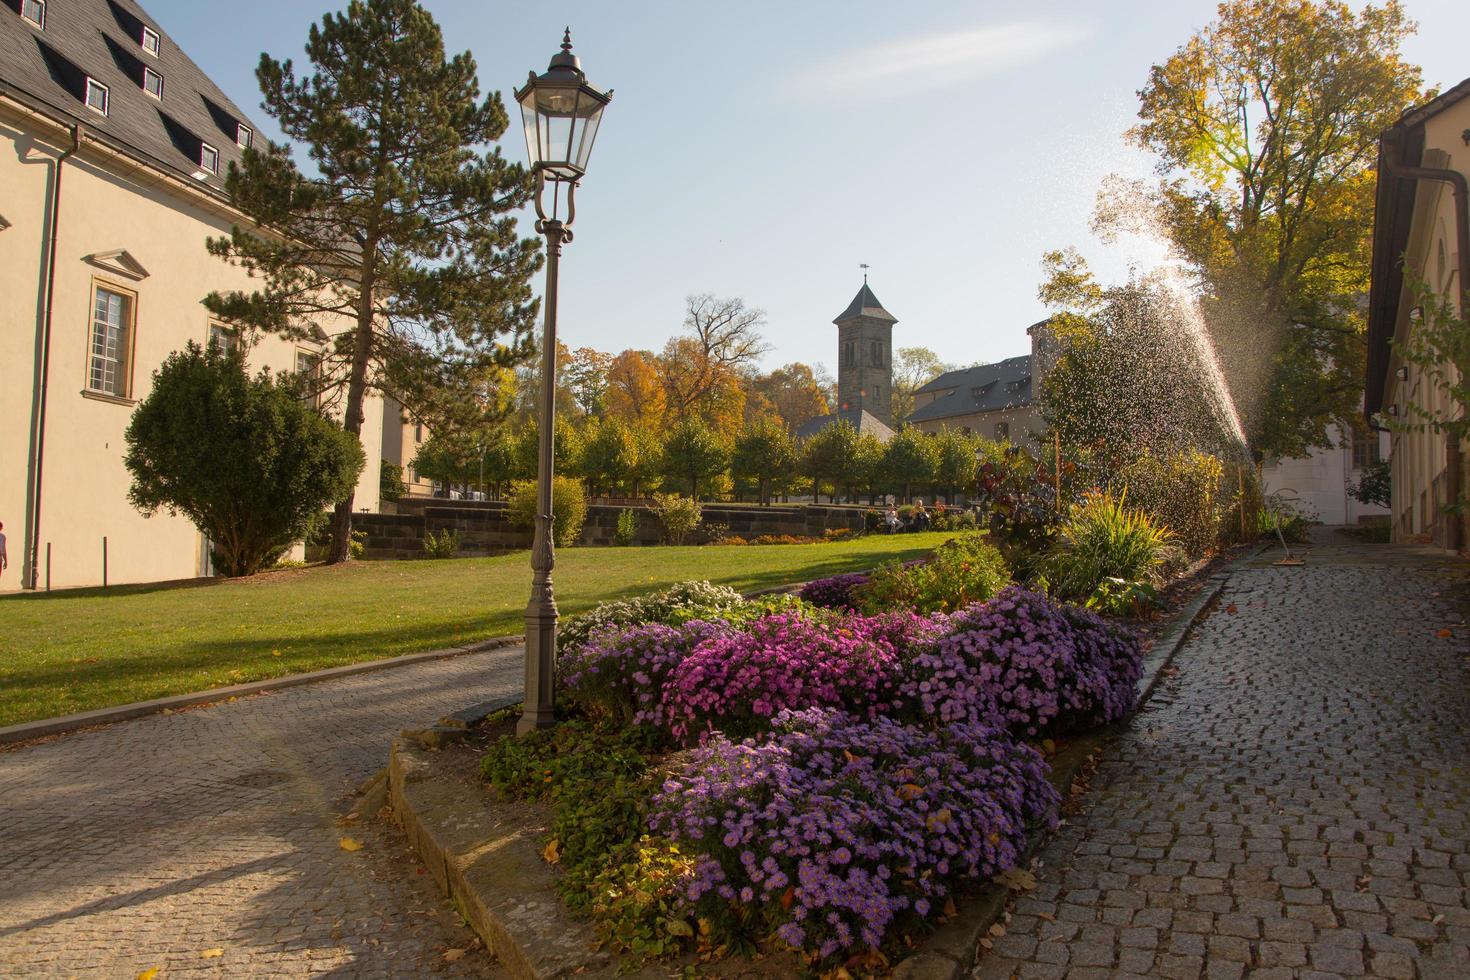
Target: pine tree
point(401, 252)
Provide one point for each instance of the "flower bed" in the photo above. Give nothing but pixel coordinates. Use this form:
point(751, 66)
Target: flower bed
point(812, 776)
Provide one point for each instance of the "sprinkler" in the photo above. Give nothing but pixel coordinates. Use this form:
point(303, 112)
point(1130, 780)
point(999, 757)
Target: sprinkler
point(1290, 561)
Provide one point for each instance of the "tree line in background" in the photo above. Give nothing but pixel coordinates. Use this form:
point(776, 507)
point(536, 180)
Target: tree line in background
point(762, 461)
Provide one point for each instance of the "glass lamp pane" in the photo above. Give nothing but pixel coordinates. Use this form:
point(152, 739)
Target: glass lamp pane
point(529, 123)
point(588, 133)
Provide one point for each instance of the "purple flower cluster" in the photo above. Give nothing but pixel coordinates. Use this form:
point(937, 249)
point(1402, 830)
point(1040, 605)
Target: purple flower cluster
point(833, 828)
point(738, 682)
point(1110, 661)
point(1024, 662)
point(620, 671)
point(905, 633)
point(834, 592)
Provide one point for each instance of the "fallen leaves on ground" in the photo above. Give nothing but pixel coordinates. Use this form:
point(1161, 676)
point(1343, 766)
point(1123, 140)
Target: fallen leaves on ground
point(1445, 633)
point(1017, 879)
point(148, 974)
point(552, 851)
point(454, 955)
point(350, 844)
point(211, 954)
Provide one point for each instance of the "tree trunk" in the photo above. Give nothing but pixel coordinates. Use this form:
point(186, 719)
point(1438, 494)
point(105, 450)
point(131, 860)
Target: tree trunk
point(341, 549)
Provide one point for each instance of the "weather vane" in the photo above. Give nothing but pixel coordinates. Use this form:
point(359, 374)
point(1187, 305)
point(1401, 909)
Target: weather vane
point(864, 267)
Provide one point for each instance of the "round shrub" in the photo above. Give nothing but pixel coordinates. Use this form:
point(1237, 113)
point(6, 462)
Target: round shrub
point(961, 571)
point(737, 683)
point(677, 604)
point(568, 508)
point(832, 831)
point(620, 672)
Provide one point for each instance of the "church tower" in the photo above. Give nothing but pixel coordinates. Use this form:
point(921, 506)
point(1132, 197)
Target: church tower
point(865, 357)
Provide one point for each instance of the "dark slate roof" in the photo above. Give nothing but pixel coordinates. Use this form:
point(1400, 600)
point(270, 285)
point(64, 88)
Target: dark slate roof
point(859, 419)
point(47, 69)
point(970, 391)
point(865, 304)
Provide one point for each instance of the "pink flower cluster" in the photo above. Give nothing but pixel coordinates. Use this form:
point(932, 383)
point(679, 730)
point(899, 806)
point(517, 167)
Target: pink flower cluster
point(737, 683)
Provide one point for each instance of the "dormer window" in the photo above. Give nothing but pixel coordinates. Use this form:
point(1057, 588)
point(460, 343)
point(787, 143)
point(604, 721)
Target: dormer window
point(96, 95)
point(34, 11)
point(243, 136)
point(150, 41)
point(153, 83)
point(208, 158)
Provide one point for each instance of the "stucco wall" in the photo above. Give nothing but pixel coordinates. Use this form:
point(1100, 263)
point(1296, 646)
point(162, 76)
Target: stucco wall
point(106, 204)
point(1320, 481)
point(1420, 487)
point(1023, 423)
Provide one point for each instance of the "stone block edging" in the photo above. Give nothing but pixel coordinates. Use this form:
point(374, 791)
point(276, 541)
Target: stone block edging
point(25, 731)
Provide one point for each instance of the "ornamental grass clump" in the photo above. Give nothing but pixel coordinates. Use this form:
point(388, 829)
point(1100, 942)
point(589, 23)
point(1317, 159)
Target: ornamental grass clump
point(620, 671)
point(834, 832)
point(1104, 538)
point(677, 604)
point(738, 683)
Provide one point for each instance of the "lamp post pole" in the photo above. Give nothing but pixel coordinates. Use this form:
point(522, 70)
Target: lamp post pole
point(561, 112)
point(538, 710)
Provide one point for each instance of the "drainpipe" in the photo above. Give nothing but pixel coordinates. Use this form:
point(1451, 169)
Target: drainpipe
point(78, 133)
point(1461, 188)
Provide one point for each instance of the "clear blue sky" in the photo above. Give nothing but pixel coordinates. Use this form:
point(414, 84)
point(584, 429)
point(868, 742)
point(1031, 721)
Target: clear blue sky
point(764, 148)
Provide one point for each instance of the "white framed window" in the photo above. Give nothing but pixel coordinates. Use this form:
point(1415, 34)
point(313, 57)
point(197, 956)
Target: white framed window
point(153, 83)
point(150, 41)
point(222, 336)
point(308, 367)
point(208, 158)
point(244, 136)
point(113, 311)
point(34, 11)
point(96, 95)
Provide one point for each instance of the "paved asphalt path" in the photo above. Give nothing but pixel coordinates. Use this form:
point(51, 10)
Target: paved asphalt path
point(156, 842)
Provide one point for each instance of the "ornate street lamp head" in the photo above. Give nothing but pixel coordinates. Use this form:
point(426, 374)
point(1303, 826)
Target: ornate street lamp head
point(561, 113)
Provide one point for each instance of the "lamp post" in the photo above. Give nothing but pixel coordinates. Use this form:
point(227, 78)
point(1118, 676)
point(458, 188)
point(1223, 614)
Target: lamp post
point(561, 113)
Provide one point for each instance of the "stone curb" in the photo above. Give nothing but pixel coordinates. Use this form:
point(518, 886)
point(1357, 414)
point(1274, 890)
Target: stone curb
point(26, 731)
point(489, 865)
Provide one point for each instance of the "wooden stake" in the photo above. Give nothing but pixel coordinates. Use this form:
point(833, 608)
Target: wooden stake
point(1057, 469)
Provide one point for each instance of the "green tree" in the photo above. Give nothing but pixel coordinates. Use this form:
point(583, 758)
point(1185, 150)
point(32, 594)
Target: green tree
point(390, 481)
point(527, 448)
point(913, 368)
point(245, 459)
point(609, 454)
point(955, 460)
point(765, 453)
point(829, 456)
point(693, 453)
point(867, 469)
point(909, 460)
point(404, 240)
point(1265, 124)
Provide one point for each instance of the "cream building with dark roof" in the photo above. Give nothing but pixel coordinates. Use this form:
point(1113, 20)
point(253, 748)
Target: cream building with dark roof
point(113, 151)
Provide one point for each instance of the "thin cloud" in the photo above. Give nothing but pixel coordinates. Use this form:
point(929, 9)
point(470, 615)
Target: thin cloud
point(916, 64)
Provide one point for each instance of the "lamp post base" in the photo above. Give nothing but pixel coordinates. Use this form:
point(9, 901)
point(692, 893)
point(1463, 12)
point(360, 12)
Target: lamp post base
point(538, 711)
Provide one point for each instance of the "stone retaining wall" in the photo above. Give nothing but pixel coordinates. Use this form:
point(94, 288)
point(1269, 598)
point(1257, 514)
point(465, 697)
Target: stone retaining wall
point(484, 530)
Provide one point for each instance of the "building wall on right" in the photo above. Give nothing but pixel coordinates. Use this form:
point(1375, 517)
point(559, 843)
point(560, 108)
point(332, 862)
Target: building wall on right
point(1422, 485)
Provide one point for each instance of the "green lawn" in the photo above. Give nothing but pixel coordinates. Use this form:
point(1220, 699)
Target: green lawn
point(84, 649)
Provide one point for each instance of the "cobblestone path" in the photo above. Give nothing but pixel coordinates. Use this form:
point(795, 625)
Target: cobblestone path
point(1293, 803)
point(156, 842)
